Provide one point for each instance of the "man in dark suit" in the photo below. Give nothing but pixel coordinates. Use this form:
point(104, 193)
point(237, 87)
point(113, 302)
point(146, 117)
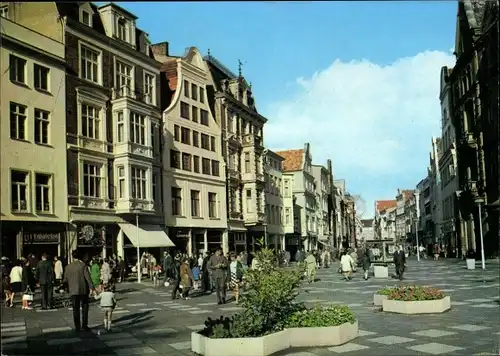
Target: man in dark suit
point(175, 273)
point(218, 265)
point(400, 261)
point(45, 276)
point(77, 278)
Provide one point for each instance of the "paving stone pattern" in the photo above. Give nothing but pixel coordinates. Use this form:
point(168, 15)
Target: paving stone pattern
point(148, 322)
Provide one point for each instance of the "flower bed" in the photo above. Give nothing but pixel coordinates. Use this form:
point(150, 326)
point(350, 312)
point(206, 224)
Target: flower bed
point(416, 300)
point(381, 295)
point(272, 320)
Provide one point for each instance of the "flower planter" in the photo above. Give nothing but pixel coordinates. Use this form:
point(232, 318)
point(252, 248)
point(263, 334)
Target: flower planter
point(378, 299)
point(417, 307)
point(270, 344)
point(381, 271)
point(471, 263)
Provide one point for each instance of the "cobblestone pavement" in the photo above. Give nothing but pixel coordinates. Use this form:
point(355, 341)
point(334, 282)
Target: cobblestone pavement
point(147, 322)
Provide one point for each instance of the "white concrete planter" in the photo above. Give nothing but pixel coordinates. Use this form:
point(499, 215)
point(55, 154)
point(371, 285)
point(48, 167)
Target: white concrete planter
point(378, 299)
point(417, 307)
point(381, 272)
point(270, 344)
point(471, 263)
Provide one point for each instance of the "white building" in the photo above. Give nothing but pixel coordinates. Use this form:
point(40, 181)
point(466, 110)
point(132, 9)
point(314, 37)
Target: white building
point(194, 180)
point(321, 178)
point(435, 182)
point(385, 219)
point(273, 172)
point(34, 205)
point(367, 230)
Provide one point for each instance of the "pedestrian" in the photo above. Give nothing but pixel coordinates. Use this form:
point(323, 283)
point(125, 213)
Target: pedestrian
point(399, 262)
point(156, 275)
point(218, 265)
point(16, 281)
point(186, 278)
point(167, 267)
point(366, 263)
point(176, 275)
point(58, 271)
point(95, 273)
point(77, 278)
point(236, 273)
point(108, 304)
point(311, 265)
point(206, 274)
point(121, 269)
point(105, 273)
point(45, 276)
point(346, 265)
point(29, 284)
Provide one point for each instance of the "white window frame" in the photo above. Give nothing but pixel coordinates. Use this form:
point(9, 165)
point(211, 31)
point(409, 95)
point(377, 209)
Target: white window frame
point(18, 115)
point(4, 11)
point(139, 183)
point(215, 214)
point(86, 8)
point(96, 132)
point(126, 28)
point(87, 98)
point(124, 76)
point(120, 126)
point(42, 120)
point(17, 60)
point(26, 185)
point(138, 128)
point(151, 95)
point(47, 187)
point(121, 179)
point(99, 62)
point(99, 175)
point(38, 73)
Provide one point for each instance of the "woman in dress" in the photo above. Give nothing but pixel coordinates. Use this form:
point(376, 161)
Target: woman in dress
point(16, 281)
point(95, 274)
point(28, 283)
point(186, 278)
point(236, 273)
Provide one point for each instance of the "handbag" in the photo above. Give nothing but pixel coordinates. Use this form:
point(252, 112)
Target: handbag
point(28, 295)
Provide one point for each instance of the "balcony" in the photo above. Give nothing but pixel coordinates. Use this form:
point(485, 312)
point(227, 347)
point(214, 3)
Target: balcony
point(469, 139)
point(92, 144)
point(233, 140)
point(93, 203)
point(122, 92)
point(250, 140)
point(233, 174)
point(235, 215)
point(128, 206)
point(133, 148)
point(259, 177)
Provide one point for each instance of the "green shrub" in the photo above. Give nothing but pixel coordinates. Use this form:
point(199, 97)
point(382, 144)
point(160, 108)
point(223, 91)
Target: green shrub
point(386, 290)
point(415, 293)
point(321, 316)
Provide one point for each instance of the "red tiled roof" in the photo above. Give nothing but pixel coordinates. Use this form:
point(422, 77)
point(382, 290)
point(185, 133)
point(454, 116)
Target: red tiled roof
point(292, 160)
point(407, 194)
point(381, 205)
point(169, 67)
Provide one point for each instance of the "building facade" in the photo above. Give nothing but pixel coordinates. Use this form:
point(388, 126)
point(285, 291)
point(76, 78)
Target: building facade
point(298, 176)
point(194, 180)
point(233, 106)
point(435, 189)
point(367, 230)
point(385, 219)
point(448, 167)
point(322, 187)
point(275, 229)
point(34, 206)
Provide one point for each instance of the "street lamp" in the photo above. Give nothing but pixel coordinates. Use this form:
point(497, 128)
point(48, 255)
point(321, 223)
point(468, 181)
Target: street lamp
point(480, 201)
point(139, 270)
point(417, 208)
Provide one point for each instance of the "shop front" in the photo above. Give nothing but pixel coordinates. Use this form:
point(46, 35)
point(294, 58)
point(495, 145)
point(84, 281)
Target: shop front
point(237, 241)
point(91, 239)
point(194, 241)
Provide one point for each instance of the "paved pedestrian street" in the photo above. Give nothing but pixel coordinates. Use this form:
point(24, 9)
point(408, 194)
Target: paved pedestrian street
point(148, 322)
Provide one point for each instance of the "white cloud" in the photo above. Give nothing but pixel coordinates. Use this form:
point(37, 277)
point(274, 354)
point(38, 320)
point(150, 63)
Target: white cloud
point(369, 119)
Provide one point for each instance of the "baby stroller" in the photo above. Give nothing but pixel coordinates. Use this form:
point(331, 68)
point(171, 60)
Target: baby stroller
point(62, 300)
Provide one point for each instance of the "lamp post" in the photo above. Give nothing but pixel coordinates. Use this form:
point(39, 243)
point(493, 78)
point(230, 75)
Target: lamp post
point(417, 209)
point(479, 202)
point(137, 245)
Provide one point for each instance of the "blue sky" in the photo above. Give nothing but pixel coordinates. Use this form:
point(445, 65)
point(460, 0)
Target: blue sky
point(361, 77)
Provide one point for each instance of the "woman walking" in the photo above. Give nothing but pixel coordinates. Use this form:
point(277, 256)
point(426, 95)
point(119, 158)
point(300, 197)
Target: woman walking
point(16, 282)
point(346, 265)
point(186, 278)
point(28, 284)
point(236, 273)
point(310, 267)
point(366, 263)
point(95, 274)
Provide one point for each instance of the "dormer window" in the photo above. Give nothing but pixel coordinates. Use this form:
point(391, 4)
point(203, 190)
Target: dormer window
point(85, 18)
point(122, 29)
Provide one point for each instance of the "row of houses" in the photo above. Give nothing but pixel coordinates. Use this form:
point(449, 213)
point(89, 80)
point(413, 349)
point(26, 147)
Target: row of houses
point(113, 142)
point(458, 198)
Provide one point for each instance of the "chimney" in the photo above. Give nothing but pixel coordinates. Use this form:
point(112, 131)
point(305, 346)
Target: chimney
point(160, 48)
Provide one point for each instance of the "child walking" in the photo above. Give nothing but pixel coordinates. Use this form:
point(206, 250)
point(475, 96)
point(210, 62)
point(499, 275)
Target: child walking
point(156, 275)
point(108, 304)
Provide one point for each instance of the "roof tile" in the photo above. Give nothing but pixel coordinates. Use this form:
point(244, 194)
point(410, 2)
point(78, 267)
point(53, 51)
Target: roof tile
point(381, 205)
point(292, 160)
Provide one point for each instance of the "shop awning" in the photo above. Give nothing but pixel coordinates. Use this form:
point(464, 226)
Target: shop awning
point(149, 235)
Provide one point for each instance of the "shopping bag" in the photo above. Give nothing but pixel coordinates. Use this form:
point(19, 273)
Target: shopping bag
point(166, 284)
point(145, 270)
point(28, 297)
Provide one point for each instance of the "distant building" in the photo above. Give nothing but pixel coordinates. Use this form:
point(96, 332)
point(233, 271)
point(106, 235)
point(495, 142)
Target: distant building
point(367, 230)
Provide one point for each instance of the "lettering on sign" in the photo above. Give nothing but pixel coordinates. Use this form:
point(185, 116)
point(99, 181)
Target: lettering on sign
point(41, 238)
point(182, 234)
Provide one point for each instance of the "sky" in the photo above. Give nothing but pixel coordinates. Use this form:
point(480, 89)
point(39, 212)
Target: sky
point(359, 81)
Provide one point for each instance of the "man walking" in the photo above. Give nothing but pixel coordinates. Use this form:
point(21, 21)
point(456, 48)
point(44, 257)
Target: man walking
point(175, 272)
point(399, 261)
point(45, 276)
point(167, 267)
point(79, 283)
point(218, 265)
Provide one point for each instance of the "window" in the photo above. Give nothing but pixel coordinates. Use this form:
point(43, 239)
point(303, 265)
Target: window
point(249, 200)
point(121, 182)
point(212, 144)
point(205, 166)
point(41, 77)
point(41, 126)
point(196, 164)
point(176, 201)
point(202, 95)
point(17, 121)
point(205, 143)
point(154, 137)
point(215, 168)
point(155, 188)
point(120, 123)
point(287, 188)
point(19, 189)
point(203, 117)
point(212, 205)
point(90, 121)
point(247, 162)
point(186, 89)
point(186, 161)
point(137, 129)
point(17, 67)
point(124, 78)
point(196, 139)
point(85, 18)
point(194, 92)
point(139, 183)
point(194, 113)
point(175, 159)
point(186, 136)
point(177, 133)
point(42, 185)
point(4, 12)
point(184, 110)
point(149, 88)
point(91, 180)
point(287, 216)
point(230, 124)
point(195, 203)
point(89, 64)
point(121, 30)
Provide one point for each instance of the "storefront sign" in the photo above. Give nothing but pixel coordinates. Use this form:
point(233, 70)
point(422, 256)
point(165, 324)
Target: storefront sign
point(182, 234)
point(41, 238)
